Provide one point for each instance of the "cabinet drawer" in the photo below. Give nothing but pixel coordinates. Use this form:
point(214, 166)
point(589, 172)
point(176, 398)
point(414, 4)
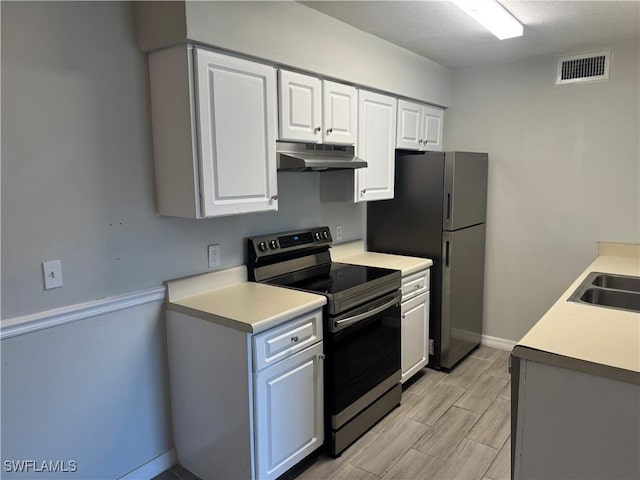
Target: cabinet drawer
point(415, 284)
point(287, 339)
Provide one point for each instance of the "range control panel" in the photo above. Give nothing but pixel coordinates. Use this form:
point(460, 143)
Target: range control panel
point(287, 241)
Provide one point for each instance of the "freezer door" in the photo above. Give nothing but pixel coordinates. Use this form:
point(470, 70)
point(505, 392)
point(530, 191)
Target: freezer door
point(462, 293)
point(465, 189)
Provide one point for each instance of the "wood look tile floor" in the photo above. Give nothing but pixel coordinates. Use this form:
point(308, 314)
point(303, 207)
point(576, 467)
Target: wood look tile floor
point(449, 426)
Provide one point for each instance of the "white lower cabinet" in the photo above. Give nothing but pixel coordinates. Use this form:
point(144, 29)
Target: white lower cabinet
point(414, 323)
point(415, 335)
point(288, 398)
point(245, 406)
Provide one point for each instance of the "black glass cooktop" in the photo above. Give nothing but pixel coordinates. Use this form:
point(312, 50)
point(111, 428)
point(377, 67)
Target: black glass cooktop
point(340, 278)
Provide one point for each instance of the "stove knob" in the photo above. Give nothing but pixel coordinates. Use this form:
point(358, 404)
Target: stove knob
point(317, 235)
point(262, 246)
point(273, 244)
point(325, 234)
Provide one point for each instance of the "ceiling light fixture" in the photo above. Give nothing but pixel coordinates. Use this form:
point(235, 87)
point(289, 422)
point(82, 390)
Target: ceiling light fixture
point(492, 16)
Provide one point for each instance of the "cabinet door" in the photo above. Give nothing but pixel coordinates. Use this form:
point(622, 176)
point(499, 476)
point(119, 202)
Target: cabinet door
point(340, 113)
point(300, 107)
point(236, 113)
point(376, 145)
point(410, 134)
point(415, 335)
point(289, 411)
point(433, 118)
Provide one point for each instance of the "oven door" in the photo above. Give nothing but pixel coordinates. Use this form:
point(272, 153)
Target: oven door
point(362, 357)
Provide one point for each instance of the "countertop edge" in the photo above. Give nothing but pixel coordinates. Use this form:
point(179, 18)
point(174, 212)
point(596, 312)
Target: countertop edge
point(412, 270)
point(257, 327)
point(356, 258)
point(584, 366)
point(210, 317)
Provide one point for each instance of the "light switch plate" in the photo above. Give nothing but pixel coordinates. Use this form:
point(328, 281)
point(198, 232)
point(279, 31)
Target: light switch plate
point(52, 272)
point(338, 232)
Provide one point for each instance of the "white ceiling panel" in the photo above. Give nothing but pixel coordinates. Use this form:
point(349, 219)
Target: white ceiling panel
point(438, 30)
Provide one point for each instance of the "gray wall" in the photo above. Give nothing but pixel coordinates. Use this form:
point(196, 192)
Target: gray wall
point(289, 33)
point(308, 39)
point(564, 173)
point(77, 167)
point(77, 185)
point(93, 391)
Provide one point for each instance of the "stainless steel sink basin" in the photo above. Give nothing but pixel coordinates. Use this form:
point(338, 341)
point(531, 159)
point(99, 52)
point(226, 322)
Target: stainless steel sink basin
point(612, 298)
point(621, 292)
point(618, 282)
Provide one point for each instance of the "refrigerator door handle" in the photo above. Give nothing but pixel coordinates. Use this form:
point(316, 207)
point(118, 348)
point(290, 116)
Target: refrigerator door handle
point(446, 254)
point(448, 207)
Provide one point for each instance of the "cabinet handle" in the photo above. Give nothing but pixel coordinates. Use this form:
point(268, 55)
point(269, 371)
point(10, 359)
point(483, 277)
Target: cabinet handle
point(317, 129)
point(404, 316)
point(363, 191)
point(417, 287)
point(294, 339)
point(274, 197)
point(321, 356)
point(329, 130)
point(420, 141)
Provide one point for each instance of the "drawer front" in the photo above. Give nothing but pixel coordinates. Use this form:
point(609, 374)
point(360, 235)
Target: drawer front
point(285, 340)
point(415, 284)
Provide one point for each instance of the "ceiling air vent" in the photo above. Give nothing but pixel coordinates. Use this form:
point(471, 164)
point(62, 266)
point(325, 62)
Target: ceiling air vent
point(583, 68)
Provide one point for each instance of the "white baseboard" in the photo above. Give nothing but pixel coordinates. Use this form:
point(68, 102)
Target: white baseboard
point(154, 467)
point(497, 342)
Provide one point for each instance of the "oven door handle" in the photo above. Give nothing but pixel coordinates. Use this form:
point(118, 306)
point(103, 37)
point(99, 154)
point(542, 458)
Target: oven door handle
point(345, 322)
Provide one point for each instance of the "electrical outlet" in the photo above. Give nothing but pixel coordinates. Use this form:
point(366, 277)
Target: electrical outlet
point(338, 232)
point(52, 272)
point(214, 256)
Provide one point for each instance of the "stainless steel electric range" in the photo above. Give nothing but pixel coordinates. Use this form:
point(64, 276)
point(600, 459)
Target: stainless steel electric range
point(361, 326)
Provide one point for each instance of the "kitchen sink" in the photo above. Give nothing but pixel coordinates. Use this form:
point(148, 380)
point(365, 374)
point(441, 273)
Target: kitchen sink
point(612, 298)
point(608, 290)
point(618, 282)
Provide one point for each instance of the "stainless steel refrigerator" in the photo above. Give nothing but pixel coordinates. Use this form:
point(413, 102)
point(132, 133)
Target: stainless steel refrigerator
point(439, 212)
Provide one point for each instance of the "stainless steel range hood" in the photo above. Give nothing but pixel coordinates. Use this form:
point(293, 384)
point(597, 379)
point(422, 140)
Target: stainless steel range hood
point(301, 157)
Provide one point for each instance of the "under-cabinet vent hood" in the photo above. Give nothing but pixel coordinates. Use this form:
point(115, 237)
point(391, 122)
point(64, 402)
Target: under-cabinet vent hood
point(301, 157)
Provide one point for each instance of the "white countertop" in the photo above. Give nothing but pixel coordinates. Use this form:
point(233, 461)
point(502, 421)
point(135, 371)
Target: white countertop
point(598, 340)
point(353, 252)
point(226, 298)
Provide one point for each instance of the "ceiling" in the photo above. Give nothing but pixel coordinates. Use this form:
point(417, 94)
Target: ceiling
point(438, 30)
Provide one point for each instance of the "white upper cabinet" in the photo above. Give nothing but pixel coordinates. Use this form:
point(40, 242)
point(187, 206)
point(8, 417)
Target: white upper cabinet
point(376, 146)
point(300, 107)
point(214, 132)
point(236, 114)
point(339, 113)
point(419, 126)
point(432, 119)
point(316, 111)
point(409, 123)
